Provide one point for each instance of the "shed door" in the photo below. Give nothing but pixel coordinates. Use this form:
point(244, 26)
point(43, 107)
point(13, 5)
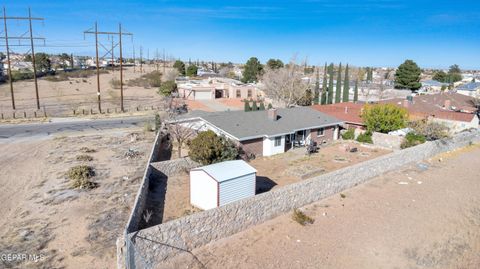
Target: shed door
point(237, 188)
point(201, 95)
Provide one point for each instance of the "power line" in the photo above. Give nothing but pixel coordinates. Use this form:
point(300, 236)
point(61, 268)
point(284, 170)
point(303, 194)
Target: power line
point(32, 49)
point(120, 34)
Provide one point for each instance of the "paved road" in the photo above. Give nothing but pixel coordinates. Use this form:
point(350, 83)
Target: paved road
point(13, 131)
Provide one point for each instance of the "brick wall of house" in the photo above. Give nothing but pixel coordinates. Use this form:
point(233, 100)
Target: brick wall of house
point(327, 135)
point(253, 146)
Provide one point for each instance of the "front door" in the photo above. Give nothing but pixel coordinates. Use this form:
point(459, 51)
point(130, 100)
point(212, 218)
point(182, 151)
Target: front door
point(288, 142)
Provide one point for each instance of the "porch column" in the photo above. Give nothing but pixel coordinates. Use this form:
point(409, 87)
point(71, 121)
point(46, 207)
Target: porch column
point(335, 133)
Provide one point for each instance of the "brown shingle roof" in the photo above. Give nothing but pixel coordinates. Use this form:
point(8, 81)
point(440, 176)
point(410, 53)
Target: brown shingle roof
point(348, 112)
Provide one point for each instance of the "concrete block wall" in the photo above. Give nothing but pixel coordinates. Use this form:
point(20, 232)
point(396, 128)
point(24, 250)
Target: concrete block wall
point(387, 141)
point(175, 166)
point(155, 244)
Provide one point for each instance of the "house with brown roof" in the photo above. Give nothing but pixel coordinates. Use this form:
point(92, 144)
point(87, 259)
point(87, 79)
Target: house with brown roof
point(456, 111)
point(348, 112)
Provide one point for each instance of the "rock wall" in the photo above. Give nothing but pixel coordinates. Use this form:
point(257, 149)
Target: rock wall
point(155, 244)
point(175, 166)
point(387, 141)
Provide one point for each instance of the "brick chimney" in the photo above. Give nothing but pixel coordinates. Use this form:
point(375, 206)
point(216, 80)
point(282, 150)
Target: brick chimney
point(272, 114)
point(447, 104)
point(346, 109)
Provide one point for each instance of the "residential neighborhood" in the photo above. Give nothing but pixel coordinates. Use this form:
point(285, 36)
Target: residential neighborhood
point(291, 134)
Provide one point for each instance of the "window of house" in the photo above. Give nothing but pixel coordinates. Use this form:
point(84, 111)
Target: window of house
point(249, 93)
point(239, 94)
point(321, 132)
point(278, 141)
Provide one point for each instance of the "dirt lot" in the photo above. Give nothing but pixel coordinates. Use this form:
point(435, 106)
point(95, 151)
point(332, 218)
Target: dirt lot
point(69, 228)
point(425, 215)
point(277, 171)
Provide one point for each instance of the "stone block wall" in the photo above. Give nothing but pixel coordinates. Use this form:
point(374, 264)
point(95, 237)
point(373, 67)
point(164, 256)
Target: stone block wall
point(155, 244)
point(387, 141)
point(175, 166)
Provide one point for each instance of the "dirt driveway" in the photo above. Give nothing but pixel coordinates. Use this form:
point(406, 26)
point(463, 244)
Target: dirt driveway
point(423, 216)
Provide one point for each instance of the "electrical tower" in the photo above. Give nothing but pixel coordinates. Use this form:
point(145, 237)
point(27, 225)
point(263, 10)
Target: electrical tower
point(119, 34)
point(20, 38)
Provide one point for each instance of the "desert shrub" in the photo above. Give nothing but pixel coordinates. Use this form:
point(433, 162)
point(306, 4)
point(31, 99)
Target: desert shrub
point(148, 127)
point(384, 118)
point(80, 175)
point(208, 148)
point(84, 158)
point(21, 75)
point(167, 88)
point(301, 217)
point(412, 139)
point(349, 134)
point(430, 130)
point(87, 150)
point(152, 79)
point(365, 138)
point(115, 83)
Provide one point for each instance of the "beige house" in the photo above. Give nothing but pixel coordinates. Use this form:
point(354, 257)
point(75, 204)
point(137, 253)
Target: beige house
point(213, 88)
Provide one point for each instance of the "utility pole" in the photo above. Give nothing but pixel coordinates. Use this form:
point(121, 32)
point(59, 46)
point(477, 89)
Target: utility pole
point(141, 59)
point(164, 61)
point(156, 59)
point(120, 34)
point(113, 63)
point(134, 61)
point(7, 45)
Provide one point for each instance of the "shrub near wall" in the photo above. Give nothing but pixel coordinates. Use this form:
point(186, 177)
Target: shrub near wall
point(155, 244)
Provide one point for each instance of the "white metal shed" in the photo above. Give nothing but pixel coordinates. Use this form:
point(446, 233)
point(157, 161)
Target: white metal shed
point(221, 183)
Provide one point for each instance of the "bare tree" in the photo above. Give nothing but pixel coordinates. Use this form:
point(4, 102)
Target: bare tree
point(180, 131)
point(285, 85)
point(170, 75)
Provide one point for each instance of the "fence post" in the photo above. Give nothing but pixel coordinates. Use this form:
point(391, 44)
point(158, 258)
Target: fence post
point(35, 114)
point(2, 116)
point(73, 112)
point(24, 114)
point(13, 114)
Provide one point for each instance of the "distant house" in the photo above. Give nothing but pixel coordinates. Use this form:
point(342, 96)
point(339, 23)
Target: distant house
point(348, 112)
point(455, 110)
point(266, 133)
point(469, 89)
point(213, 88)
point(432, 85)
point(221, 183)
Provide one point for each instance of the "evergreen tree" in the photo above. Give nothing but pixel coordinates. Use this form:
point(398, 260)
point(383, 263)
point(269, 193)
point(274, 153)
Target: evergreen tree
point(355, 93)
point(270, 106)
point(252, 69)
point(180, 66)
point(330, 84)
point(254, 106)
point(192, 70)
point(262, 106)
point(338, 92)
point(324, 86)
point(408, 76)
point(317, 88)
point(247, 107)
point(275, 64)
point(346, 86)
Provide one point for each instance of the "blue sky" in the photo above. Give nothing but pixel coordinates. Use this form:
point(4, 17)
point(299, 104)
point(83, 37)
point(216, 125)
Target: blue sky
point(361, 32)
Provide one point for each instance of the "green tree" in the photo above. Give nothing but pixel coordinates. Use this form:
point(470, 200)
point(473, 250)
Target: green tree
point(275, 63)
point(454, 74)
point(355, 92)
point(252, 70)
point(254, 106)
point(324, 86)
point(269, 106)
point(208, 148)
point(307, 99)
point(384, 118)
point(440, 76)
point(167, 88)
point(180, 66)
point(330, 84)
point(338, 92)
point(408, 76)
point(317, 88)
point(346, 86)
point(192, 70)
point(262, 106)
point(246, 106)
point(42, 62)
point(64, 60)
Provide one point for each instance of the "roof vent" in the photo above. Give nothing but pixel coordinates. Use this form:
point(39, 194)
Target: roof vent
point(272, 114)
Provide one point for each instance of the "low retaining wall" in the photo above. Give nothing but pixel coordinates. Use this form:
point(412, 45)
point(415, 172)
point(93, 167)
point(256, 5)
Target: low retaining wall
point(172, 167)
point(155, 244)
point(387, 141)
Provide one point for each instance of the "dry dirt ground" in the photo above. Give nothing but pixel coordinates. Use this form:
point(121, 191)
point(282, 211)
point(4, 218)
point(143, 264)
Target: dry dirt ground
point(425, 215)
point(68, 228)
point(276, 171)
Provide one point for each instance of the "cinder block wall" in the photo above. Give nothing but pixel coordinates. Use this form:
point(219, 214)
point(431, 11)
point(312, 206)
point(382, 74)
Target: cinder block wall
point(155, 244)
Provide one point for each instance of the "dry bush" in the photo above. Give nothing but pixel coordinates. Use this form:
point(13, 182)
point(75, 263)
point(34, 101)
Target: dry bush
point(115, 83)
point(87, 150)
point(84, 158)
point(80, 175)
point(152, 79)
point(301, 217)
point(430, 130)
